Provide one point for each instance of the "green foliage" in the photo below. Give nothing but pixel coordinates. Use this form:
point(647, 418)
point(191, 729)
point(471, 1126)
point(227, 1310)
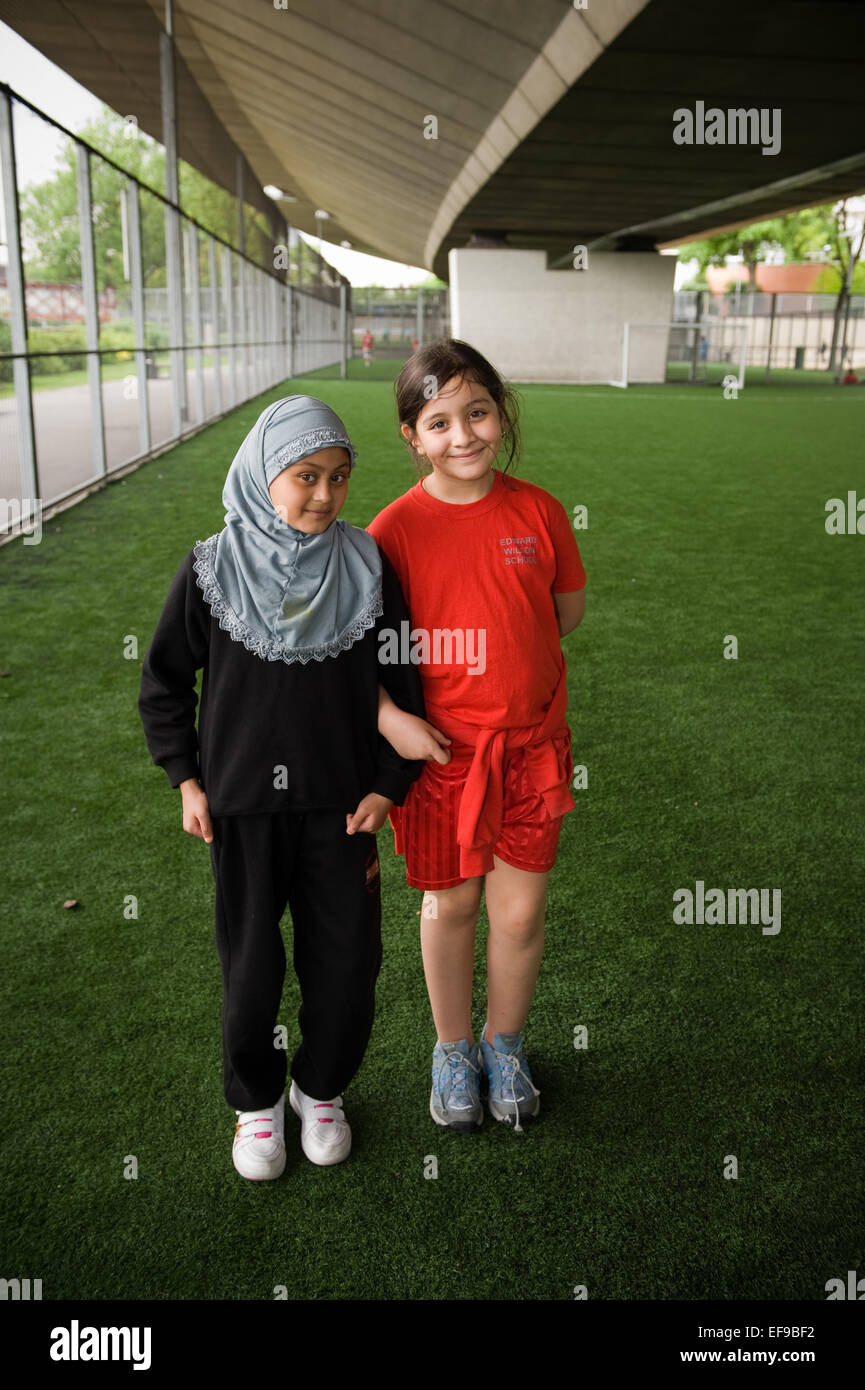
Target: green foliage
point(49, 210)
point(70, 340)
point(5, 346)
point(119, 333)
point(798, 234)
point(406, 294)
point(713, 250)
point(829, 280)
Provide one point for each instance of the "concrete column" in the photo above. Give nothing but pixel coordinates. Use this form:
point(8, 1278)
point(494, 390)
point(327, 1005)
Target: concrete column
point(536, 324)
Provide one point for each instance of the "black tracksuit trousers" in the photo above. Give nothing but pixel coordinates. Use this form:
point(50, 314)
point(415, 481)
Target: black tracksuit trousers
point(330, 882)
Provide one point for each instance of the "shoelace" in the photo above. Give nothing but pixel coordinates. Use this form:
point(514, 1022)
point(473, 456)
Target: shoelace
point(459, 1065)
point(512, 1061)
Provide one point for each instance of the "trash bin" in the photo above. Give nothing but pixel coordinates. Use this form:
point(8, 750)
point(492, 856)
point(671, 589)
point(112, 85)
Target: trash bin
point(800, 358)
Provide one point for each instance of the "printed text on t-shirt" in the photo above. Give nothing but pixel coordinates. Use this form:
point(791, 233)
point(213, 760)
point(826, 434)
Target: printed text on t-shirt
point(519, 550)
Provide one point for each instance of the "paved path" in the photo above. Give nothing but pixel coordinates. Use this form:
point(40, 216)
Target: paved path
point(63, 425)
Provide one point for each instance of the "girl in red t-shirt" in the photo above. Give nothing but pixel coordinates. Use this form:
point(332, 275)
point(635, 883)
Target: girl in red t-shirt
point(493, 580)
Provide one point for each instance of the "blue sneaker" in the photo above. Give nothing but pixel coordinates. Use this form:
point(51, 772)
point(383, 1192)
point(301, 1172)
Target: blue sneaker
point(512, 1095)
point(455, 1100)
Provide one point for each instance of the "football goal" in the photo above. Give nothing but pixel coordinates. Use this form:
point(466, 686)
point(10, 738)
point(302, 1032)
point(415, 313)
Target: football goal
point(705, 353)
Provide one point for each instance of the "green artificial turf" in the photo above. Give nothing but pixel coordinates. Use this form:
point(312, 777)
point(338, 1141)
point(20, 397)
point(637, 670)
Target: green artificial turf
point(705, 520)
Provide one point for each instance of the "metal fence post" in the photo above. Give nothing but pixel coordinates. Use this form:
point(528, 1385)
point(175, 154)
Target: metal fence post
point(244, 327)
point(174, 281)
point(173, 264)
point(343, 320)
point(771, 336)
point(195, 290)
point(27, 465)
point(228, 291)
point(276, 332)
point(289, 309)
point(214, 312)
point(133, 220)
point(91, 311)
point(695, 355)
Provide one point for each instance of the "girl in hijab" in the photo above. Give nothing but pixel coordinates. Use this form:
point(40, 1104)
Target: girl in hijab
point(287, 778)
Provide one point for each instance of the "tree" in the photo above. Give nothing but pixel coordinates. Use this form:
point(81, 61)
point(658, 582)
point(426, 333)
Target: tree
point(830, 230)
point(751, 242)
point(847, 242)
point(49, 211)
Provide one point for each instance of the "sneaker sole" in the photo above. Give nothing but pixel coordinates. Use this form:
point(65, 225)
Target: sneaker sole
point(338, 1154)
point(457, 1126)
point(504, 1115)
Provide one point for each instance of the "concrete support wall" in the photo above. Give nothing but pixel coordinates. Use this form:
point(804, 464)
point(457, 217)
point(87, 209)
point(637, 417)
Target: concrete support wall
point(536, 324)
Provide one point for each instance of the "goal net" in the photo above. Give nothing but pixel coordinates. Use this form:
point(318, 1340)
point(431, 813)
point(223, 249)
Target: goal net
point(694, 353)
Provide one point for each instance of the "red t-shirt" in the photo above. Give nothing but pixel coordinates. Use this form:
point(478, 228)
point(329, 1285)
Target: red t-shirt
point(479, 581)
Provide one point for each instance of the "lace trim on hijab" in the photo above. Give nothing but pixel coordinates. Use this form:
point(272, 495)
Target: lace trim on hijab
point(268, 648)
point(310, 443)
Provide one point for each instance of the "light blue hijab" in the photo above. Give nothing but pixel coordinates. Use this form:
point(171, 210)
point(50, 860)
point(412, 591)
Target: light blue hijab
point(287, 596)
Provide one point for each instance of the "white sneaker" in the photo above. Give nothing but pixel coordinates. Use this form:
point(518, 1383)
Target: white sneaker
point(325, 1136)
point(259, 1142)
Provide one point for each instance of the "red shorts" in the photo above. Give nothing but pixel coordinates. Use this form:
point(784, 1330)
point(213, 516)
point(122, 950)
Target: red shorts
point(427, 821)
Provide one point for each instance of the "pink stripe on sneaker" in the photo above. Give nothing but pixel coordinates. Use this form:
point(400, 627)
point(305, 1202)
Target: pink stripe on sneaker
point(263, 1134)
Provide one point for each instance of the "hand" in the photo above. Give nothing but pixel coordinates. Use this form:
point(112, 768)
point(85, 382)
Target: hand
point(414, 738)
point(196, 812)
point(370, 815)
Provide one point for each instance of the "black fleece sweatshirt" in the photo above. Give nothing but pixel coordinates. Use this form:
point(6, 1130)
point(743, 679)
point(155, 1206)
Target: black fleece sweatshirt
point(273, 736)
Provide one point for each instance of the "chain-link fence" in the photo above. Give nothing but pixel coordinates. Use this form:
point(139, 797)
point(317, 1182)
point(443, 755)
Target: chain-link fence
point(147, 326)
point(789, 336)
point(392, 323)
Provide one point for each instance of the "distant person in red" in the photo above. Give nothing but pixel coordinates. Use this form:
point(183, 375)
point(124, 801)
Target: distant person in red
point(414, 344)
point(366, 344)
point(850, 378)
